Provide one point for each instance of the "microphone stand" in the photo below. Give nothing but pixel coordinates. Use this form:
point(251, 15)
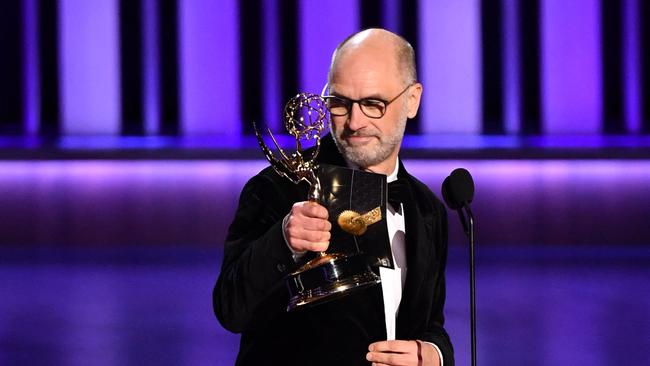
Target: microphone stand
point(467, 220)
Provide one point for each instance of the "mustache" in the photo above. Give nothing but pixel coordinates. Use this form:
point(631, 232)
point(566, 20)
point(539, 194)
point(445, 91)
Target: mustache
point(349, 133)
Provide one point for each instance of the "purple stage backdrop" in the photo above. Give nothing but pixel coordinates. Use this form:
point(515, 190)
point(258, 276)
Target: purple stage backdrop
point(210, 67)
point(125, 139)
point(104, 203)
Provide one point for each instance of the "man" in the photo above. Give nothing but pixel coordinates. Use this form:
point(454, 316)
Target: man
point(372, 92)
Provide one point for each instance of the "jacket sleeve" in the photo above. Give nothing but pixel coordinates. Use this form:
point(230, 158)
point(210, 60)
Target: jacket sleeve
point(256, 257)
point(435, 331)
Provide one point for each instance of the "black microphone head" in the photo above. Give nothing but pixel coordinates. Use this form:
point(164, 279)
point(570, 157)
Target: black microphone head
point(458, 189)
point(449, 198)
point(462, 185)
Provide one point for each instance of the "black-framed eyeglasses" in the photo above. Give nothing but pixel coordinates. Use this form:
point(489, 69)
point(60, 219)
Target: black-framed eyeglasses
point(371, 107)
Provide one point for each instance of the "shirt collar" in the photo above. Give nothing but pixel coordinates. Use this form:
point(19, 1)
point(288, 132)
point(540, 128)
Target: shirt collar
point(393, 176)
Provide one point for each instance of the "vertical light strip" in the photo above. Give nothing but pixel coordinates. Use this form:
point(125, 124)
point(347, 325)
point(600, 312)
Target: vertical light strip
point(392, 15)
point(271, 65)
point(31, 75)
point(323, 25)
point(89, 52)
point(631, 65)
point(511, 70)
point(151, 67)
point(209, 69)
point(571, 67)
point(450, 51)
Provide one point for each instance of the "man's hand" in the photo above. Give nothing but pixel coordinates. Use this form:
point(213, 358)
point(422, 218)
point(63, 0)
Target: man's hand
point(402, 353)
point(307, 227)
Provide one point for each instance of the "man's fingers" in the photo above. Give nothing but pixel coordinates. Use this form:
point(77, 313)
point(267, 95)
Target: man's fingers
point(393, 346)
point(315, 236)
point(307, 227)
point(298, 232)
point(308, 223)
point(311, 224)
point(394, 352)
point(311, 209)
point(316, 211)
point(393, 359)
point(302, 245)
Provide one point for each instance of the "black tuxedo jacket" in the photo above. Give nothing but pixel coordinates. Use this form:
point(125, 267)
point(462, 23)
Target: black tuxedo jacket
point(250, 296)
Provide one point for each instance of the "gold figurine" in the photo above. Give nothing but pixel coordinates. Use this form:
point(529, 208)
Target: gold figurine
point(356, 224)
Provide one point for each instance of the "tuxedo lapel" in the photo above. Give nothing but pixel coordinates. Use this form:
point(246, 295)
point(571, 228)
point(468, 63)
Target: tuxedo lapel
point(419, 256)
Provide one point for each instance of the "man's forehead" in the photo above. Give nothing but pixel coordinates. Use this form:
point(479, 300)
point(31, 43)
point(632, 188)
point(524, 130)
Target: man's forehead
point(368, 73)
point(366, 58)
point(360, 89)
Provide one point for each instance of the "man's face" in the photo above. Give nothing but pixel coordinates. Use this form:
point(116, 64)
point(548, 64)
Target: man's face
point(369, 142)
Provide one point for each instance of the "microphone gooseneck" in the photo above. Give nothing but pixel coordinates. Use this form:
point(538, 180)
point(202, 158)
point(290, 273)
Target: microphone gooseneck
point(458, 193)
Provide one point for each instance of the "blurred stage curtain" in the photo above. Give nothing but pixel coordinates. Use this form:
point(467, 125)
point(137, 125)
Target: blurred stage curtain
point(210, 67)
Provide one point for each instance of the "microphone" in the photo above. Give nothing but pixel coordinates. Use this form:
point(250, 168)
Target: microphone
point(458, 189)
point(458, 193)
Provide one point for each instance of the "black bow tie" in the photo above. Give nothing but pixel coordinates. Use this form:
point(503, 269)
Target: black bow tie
point(398, 192)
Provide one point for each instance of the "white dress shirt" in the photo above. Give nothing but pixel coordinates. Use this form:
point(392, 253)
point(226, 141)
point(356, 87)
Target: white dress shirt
point(392, 280)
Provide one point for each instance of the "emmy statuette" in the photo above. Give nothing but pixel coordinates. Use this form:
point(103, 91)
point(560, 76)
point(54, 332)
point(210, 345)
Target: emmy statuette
point(329, 275)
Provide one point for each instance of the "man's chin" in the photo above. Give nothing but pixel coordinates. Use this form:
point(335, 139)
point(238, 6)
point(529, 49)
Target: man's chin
point(361, 154)
point(359, 141)
point(358, 151)
point(360, 157)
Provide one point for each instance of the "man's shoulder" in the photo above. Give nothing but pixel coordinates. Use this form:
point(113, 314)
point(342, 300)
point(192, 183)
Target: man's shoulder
point(268, 174)
point(423, 194)
point(268, 183)
point(261, 178)
point(422, 189)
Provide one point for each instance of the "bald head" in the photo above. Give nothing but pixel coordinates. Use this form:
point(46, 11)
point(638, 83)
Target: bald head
point(379, 42)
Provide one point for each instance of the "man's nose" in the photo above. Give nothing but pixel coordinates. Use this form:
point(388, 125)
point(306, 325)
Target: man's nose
point(357, 119)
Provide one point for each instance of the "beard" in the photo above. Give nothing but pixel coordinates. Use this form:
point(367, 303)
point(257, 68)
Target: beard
point(372, 153)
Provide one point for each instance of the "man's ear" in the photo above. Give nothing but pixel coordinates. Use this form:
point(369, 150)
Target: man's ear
point(413, 99)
